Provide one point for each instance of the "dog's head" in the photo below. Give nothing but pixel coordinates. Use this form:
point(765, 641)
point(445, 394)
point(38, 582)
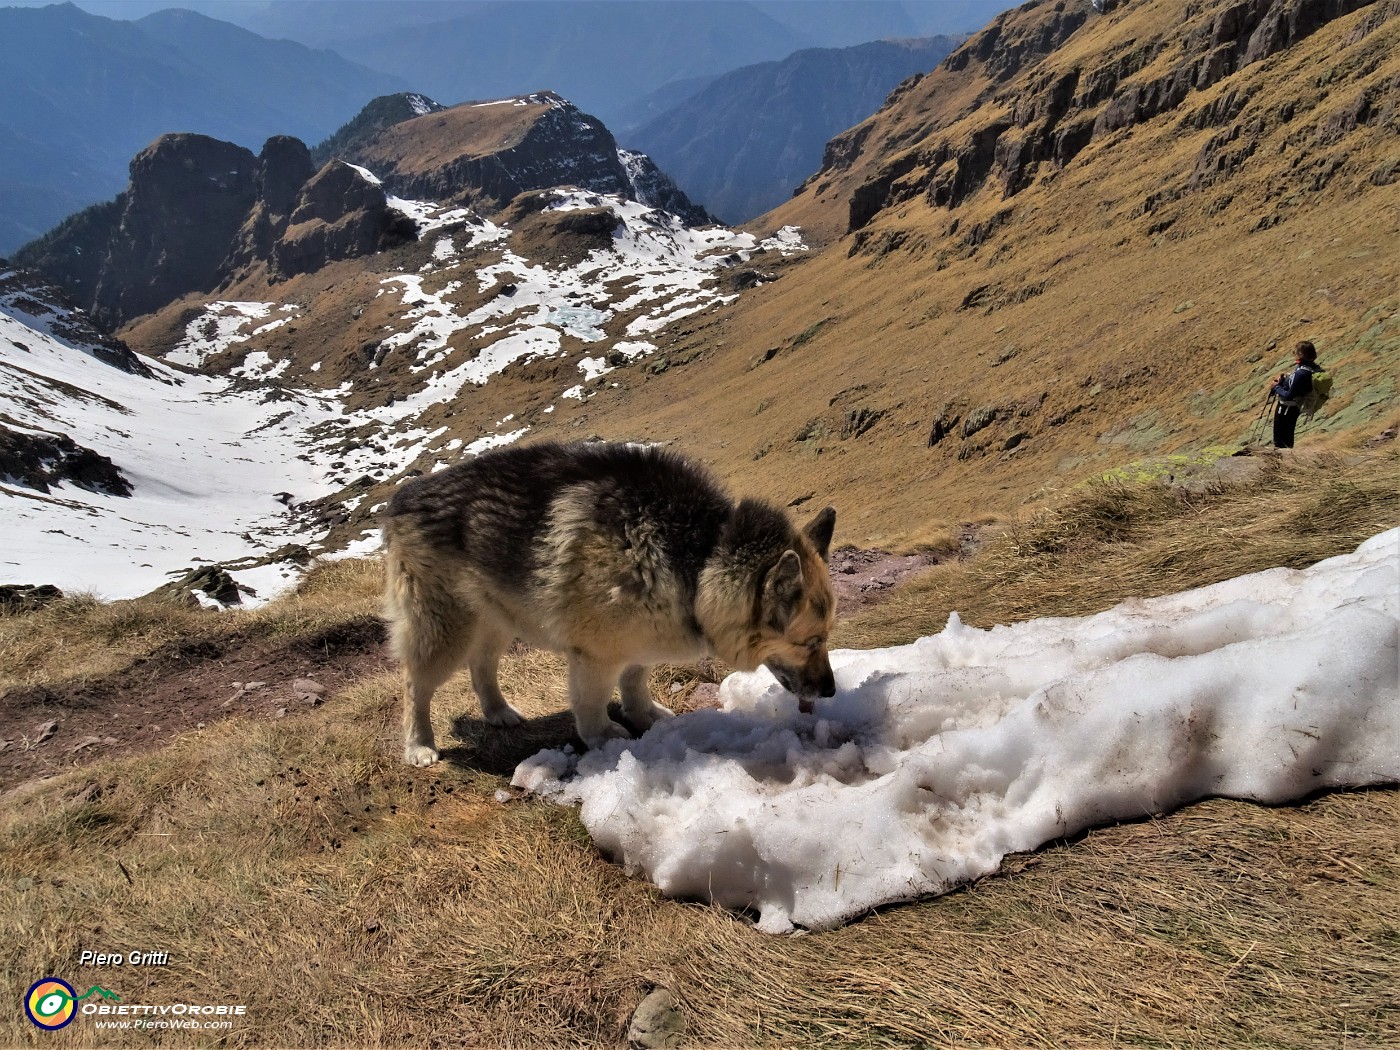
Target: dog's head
point(798, 612)
point(790, 612)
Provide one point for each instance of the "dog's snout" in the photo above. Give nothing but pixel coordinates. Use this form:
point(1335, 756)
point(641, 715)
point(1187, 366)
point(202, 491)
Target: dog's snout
point(805, 682)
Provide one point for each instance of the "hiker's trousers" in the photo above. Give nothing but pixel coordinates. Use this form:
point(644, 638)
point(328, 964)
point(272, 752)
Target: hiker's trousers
point(1285, 424)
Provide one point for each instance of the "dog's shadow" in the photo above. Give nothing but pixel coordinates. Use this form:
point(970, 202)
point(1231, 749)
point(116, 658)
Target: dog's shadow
point(498, 750)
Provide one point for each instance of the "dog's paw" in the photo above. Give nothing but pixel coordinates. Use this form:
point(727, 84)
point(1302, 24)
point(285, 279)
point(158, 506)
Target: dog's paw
point(610, 730)
point(505, 715)
point(649, 716)
point(419, 755)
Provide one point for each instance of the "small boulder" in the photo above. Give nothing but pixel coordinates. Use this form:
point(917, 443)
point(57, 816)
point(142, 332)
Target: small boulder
point(657, 1022)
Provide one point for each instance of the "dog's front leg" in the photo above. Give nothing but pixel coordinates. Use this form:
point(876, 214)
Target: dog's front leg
point(591, 685)
point(637, 705)
point(419, 748)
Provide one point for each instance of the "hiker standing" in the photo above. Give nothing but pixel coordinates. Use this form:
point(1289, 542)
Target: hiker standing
point(1291, 390)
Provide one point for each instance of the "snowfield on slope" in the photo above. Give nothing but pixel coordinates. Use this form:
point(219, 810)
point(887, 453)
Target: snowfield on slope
point(206, 465)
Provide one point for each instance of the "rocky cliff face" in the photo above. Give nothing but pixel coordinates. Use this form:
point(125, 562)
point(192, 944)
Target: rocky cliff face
point(167, 234)
point(284, 167)
point(199, 214)
point(1016, 128)
point(339, 214)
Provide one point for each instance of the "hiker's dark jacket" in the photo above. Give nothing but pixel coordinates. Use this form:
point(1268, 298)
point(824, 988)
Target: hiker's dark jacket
point(1297, 386)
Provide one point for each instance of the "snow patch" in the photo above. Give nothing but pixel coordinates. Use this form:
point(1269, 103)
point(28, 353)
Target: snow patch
point(223, 325)
point(937, 759)
point(205, 458)
point(365, 173)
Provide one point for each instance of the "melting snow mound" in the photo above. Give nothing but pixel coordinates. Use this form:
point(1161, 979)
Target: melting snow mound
point(934, 760)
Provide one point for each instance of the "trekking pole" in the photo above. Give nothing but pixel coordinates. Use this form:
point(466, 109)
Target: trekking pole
point(1258, 432)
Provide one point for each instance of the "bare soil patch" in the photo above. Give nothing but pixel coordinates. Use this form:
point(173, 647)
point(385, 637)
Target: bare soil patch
point(180, 686)
point(862, 578)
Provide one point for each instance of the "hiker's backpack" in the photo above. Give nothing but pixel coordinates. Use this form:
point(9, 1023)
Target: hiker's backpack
point(1318, 395)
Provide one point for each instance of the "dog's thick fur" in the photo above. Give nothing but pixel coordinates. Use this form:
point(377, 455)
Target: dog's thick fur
point(619, 556)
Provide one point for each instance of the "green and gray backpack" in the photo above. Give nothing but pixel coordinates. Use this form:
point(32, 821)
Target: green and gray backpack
point(1318, 395)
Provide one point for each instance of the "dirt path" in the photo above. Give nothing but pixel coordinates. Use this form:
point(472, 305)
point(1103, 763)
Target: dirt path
point(47, 729)
point(862, 578)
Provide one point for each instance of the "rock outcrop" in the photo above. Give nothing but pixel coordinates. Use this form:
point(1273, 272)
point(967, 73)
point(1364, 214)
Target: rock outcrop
point(339, 214)
point(39, 461)
point(167, 234)
point(17, 599)
point(199, 212)
point(283, 169)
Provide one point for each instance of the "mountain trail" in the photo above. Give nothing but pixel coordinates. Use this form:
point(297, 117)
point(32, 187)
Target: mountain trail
point(48, 729)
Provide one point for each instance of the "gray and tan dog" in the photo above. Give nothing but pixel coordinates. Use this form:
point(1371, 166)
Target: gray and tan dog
point(619, 556)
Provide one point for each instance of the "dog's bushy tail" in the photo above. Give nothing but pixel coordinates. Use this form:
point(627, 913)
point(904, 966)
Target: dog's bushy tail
point(424, 614)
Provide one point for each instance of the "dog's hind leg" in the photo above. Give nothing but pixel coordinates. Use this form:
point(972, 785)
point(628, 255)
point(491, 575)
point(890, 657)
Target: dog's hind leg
point(424, 671)
point(637, 705)
point(590, 688)
point(430, 632)
point(484, 658)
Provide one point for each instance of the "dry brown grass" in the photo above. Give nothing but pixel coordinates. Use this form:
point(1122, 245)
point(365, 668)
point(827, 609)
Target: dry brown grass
point(80, 637)
point(298, 868)
point(1109, 539)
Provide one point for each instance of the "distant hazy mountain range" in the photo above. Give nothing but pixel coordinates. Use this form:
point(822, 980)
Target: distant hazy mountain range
point(744, 142)
point(603, 54)
point(80, 94)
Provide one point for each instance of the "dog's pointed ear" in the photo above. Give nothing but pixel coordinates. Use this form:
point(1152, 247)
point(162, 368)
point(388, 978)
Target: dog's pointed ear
point(782, 591)
point(819, 531)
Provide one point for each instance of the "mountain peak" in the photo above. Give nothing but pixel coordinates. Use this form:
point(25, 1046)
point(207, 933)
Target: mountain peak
point(486, 153)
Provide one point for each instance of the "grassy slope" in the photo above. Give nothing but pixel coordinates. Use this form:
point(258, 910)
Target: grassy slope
point(296, 867)
point(1144, 331)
